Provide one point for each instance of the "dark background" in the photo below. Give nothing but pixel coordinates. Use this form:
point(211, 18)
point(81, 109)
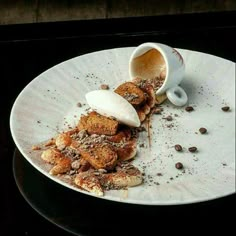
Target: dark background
point(26, 50)
point(34, 11)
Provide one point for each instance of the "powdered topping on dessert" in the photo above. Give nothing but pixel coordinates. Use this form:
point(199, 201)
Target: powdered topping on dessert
point(97, 154)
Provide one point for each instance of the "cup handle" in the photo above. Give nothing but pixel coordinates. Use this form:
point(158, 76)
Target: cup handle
point(177, 96)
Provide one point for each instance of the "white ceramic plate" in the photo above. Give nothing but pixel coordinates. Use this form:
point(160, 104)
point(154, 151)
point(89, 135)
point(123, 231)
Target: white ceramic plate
point(48, 105)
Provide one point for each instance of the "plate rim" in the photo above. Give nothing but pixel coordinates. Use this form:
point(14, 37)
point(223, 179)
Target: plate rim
point(129, 201)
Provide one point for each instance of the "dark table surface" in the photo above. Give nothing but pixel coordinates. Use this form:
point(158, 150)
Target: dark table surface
point(34, 205)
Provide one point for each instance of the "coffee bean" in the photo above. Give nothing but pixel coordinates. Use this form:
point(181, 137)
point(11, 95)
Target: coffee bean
point(179, 165)
point(79, 104)
point(104, 86)
point(202, 130)
point(178, 147)
point(189, 108)
point(226, 108)
point(169, 118)
point(192, 149)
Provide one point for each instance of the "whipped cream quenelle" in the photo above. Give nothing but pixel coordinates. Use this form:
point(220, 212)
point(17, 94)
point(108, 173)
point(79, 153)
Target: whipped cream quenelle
point(111, 104)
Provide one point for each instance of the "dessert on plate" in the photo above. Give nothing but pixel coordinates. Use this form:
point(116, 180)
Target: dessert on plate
point(97, 154)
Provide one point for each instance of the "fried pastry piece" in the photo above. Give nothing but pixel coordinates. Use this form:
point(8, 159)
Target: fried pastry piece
point(63, 140)
point(128, 150)
point(95, 181)
point(122, 135)
point(51, 155)
point(95, 123)
point(131, 92)
point(156, 83)
point(151, 98)
point(100, 156)
point(141, 115)
point(88, 181)
point(61, 163)
point(145, 108)
point(81, 165)
point(84, 165)
point(124, 144)
point(143, 111)
point(160, 98)
point(126, 176)
point(62, 166)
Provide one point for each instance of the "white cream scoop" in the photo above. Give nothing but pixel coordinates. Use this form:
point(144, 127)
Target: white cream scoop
point(109, 103)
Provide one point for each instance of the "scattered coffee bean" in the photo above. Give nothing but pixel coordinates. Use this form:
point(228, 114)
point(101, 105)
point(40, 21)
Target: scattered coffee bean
point(169, 118)
point(104, 86)
point(178, 148)
point(226, 108)
point(179, 165)
point(202, 130)
point(189, 108)
point(79, 104)
point(141, 145)
point(192, 149)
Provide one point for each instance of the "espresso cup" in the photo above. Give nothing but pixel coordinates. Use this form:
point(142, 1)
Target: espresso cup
point(163, 64)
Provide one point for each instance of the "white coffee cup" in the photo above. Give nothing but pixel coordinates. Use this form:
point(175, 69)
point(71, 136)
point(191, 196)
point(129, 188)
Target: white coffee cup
point(155, 60)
